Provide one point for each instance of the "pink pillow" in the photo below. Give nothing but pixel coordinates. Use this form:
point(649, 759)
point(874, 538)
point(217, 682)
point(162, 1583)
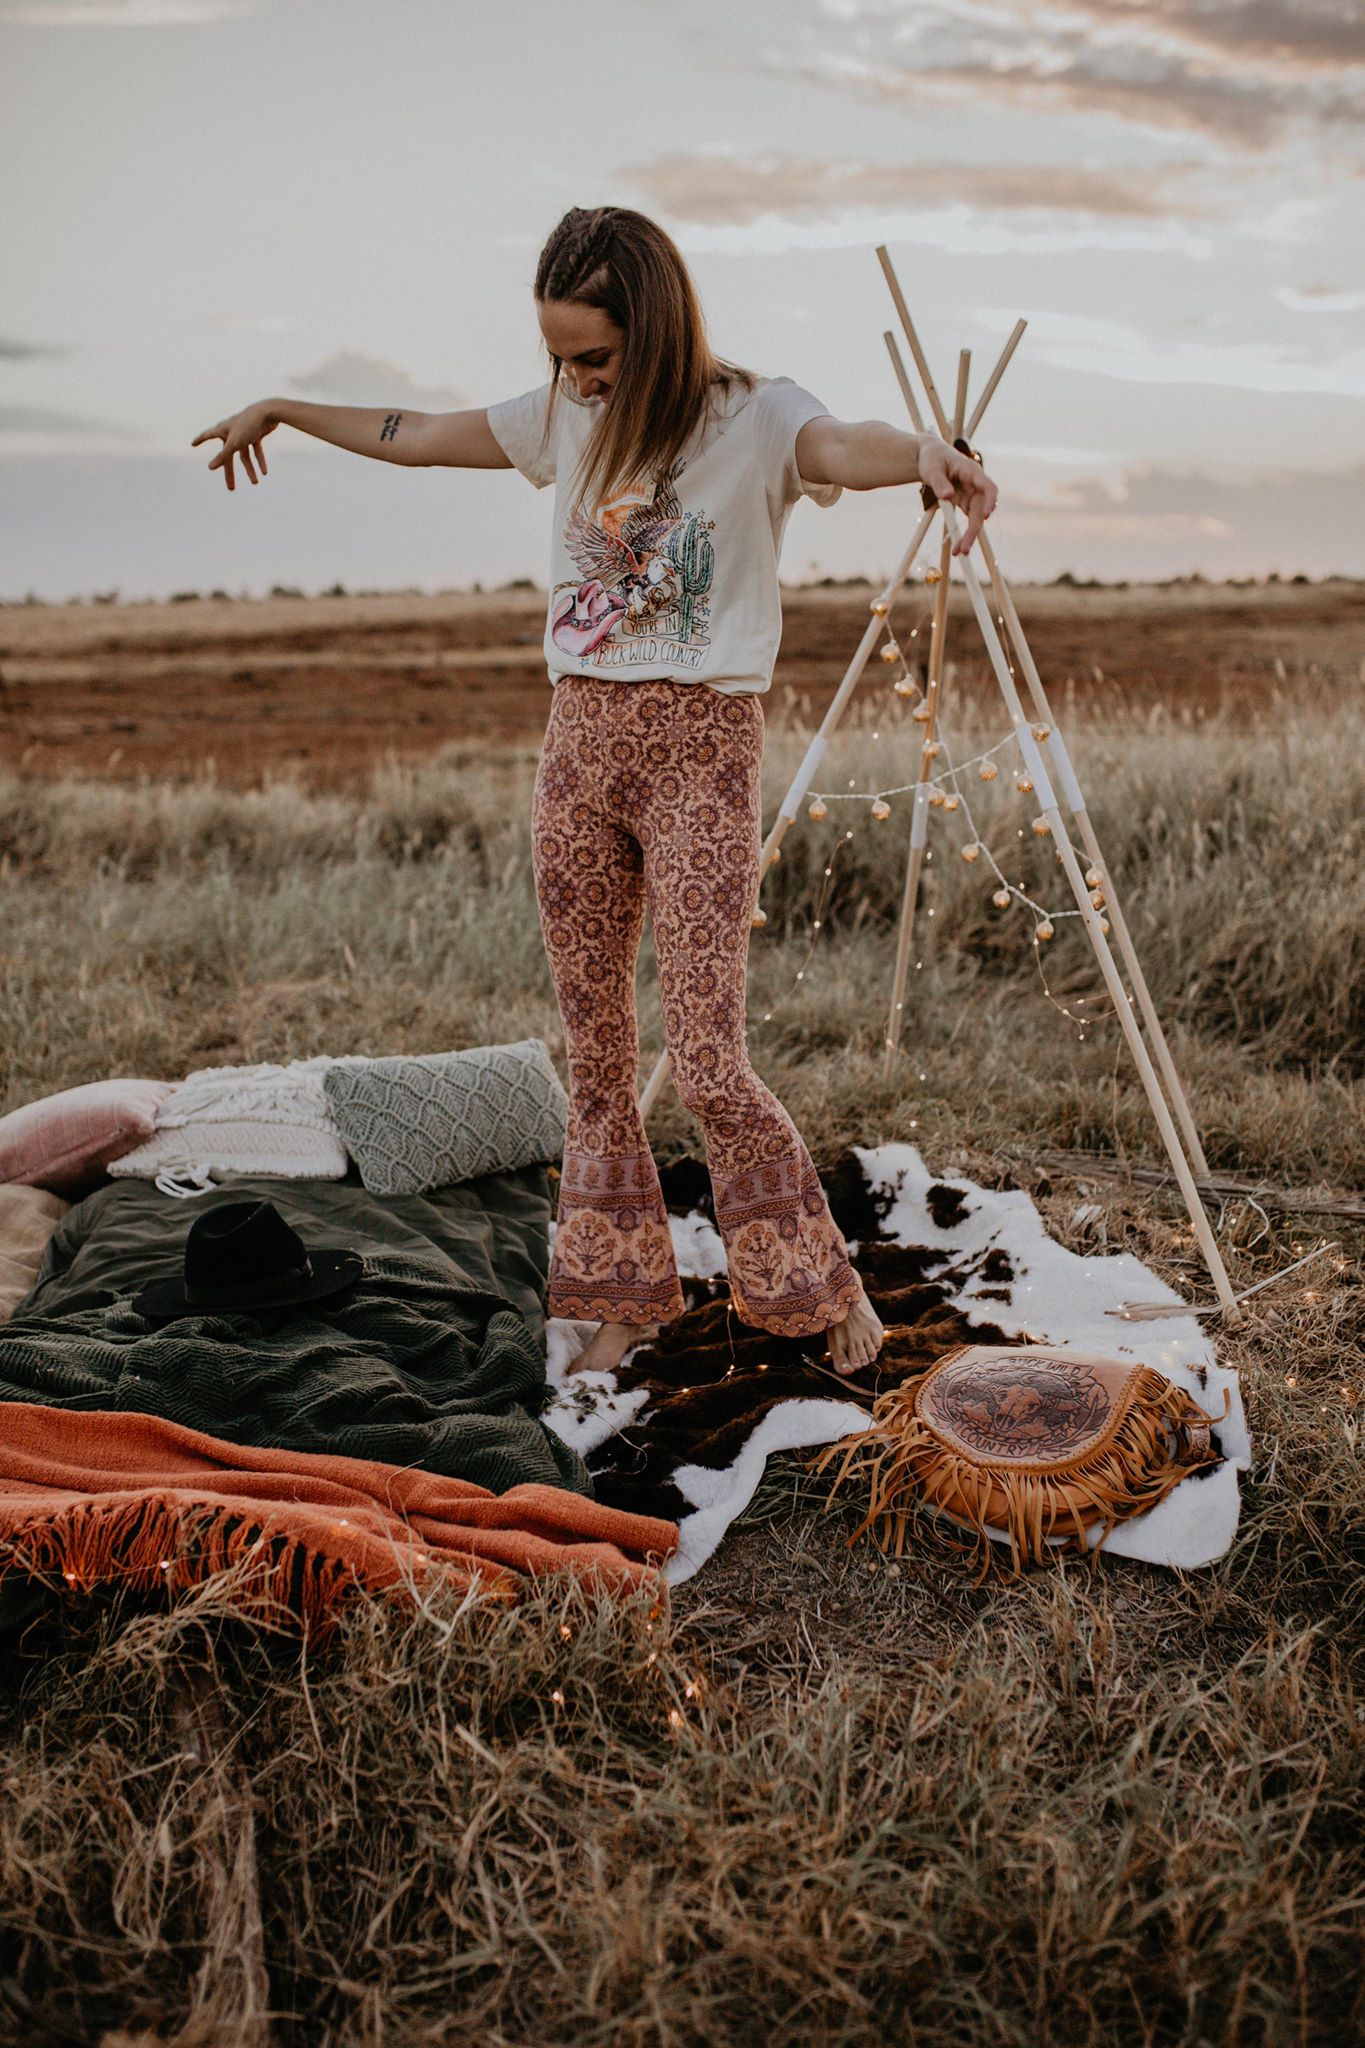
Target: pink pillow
point(63, 1141)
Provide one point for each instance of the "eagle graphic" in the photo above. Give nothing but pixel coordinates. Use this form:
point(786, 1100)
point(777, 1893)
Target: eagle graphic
point(623, 558)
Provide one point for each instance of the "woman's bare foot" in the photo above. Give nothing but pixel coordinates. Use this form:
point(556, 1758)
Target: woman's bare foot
point(857, 1339)
point(609, 1342)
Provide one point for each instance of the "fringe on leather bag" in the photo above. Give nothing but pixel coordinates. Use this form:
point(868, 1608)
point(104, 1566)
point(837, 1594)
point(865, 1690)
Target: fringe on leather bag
point(1038, 1444)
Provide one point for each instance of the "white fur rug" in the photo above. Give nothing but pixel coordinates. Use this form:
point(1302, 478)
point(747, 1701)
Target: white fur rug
point(696, 1454)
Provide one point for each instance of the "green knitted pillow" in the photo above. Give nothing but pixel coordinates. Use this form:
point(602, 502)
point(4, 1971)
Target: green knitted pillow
point(423, 1120)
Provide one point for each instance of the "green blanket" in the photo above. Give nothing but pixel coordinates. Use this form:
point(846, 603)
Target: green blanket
point(436, 1357)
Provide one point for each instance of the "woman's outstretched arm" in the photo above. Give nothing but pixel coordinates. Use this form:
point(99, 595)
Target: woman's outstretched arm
point(866, 455)
point(418, 440)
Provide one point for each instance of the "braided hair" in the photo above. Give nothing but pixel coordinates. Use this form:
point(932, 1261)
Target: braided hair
point(575, 251)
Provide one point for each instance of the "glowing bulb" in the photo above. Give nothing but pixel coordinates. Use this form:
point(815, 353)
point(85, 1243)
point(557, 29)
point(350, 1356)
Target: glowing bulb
point(1044, 930)
point(988, 771)
point(759, 917)
point(1001, 899)
point(891, 652)
point(1041, 827)
point(1024, 784)
point(881, 809)
point(971, 851)
point(819, 809)
point(880, 607)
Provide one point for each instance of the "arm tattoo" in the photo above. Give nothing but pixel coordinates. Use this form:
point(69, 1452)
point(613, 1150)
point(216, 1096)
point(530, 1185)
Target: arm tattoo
point(390, 426)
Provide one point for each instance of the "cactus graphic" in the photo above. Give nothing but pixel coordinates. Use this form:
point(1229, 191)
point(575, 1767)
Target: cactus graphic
point(691, 554)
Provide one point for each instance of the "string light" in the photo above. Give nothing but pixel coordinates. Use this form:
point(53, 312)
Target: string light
point(952, 799)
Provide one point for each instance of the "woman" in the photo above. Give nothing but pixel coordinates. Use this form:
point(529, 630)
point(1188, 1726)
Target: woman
point(675, 472)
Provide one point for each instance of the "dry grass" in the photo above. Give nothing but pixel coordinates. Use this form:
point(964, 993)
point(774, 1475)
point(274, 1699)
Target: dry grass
point(1110, 1805)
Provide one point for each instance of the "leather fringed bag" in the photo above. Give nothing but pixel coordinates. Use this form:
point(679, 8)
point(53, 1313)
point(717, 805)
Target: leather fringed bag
point(1036, 1443)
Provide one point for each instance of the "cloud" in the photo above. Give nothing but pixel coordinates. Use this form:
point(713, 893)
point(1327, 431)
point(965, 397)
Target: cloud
point(350, 378)
point(726, 187)
point(12, 351)
point(128, 13)
point(1319, 298)
point(956, 229)
point(1258, 511)
point(1117, 349)
point(39, 430)
point(1316, 34)
point(1169, 65)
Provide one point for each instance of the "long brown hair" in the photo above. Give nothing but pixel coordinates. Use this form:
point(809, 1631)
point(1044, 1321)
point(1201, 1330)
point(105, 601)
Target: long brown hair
point(625, 264)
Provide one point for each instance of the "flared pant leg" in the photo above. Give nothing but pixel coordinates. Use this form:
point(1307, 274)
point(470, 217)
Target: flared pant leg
point(653, 790)
point(612, 1259)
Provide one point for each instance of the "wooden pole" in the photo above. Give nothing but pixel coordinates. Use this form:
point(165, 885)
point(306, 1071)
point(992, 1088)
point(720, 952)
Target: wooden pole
point(919, 817)
point(907, 392)
point(997, 373)
point(916, 351)
point(879, 610)
point(1122, 1001)
point(1075, 801)
point(964, 363)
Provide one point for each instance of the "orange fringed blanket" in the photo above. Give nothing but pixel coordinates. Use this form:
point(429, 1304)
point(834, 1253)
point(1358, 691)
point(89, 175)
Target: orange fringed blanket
point(102, 1498)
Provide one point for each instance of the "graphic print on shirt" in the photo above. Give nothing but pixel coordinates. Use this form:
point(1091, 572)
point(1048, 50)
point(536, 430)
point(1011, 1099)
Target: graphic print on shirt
point(646, 567)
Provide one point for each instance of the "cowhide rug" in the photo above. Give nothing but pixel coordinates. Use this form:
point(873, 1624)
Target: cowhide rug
point(683, 1427)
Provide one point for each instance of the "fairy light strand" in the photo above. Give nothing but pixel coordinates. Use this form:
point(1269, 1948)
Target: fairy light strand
point(945, 790)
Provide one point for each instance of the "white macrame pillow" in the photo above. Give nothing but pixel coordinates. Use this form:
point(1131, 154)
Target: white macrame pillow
point(268, 1119)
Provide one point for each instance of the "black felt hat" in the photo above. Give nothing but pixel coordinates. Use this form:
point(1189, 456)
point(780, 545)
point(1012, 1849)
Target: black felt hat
point(243, 1255)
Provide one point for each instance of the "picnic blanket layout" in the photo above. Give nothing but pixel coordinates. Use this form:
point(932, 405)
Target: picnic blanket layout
point(434, 1357)
point(682, 1428)
point(95, 1499)
point(441, 1359)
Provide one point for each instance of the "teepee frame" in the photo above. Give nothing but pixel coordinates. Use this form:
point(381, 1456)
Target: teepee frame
point(1046, 763)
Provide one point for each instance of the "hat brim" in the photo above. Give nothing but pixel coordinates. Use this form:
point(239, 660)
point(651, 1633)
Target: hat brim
point(332, 1270)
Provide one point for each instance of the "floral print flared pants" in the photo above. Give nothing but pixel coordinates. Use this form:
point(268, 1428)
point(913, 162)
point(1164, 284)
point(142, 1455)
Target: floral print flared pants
point(650, 792)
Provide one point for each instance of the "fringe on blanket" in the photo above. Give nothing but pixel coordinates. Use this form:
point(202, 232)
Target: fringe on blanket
point(168, 1541)
point(1044, 1510)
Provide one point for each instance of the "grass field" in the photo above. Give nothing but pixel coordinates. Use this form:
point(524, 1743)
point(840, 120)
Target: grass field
point(1103, 1806)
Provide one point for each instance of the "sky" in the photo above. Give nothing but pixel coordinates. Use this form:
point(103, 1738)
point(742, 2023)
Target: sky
point(214, 201)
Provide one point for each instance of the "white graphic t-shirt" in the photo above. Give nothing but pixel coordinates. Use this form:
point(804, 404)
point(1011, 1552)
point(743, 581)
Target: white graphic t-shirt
point(682, 583)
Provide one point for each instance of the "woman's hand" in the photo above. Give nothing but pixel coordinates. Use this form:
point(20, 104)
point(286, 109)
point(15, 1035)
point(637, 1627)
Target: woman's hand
point(951, 474)
point(242, 435)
